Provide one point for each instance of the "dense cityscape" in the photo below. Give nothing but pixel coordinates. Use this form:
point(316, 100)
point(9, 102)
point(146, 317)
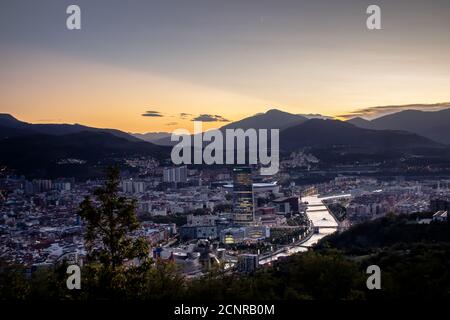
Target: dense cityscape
point(199, 219)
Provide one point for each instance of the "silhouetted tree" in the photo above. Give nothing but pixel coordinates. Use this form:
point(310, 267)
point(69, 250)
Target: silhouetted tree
point(110, 221)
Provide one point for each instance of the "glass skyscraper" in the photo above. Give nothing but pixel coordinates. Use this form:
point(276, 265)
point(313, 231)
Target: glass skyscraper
point(243, 196)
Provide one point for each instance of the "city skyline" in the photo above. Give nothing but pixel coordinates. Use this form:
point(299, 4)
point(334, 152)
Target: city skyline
point(151, 66)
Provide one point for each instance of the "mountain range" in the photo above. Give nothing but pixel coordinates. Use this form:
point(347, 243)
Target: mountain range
point(151, 136)
point(30, 147)
point(429, 124)
point(320, 133)
point(434, 125)
point(272, 119)
point(321, 130)
point(51, 155)
point(12, 127)
point(40, 149)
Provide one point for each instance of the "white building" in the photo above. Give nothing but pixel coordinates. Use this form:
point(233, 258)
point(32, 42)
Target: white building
point(130, 186)
point(176, 174)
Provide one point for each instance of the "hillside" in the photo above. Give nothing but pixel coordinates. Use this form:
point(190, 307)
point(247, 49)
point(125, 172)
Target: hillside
point(10, 126)
point(430, 124)
point(329, 133)
point(46, 153)
point(386, 232)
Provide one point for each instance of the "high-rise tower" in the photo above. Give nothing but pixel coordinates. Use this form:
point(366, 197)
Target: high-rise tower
point(243, 196)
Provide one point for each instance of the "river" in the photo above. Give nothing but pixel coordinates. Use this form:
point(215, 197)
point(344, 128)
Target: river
point(318, 213)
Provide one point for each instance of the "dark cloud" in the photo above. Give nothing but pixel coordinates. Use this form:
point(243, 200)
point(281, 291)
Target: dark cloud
point(184, 115)
point(349, 116)
point(152, 114)
point(210, 118)
point(374, 112)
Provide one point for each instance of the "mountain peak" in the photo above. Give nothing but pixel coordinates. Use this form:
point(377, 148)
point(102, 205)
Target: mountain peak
point(328, 122)
point(275, 111)
point(9, 121)
point(7, 116)
point(271, 119)
point(358, 119)
point(359, 122)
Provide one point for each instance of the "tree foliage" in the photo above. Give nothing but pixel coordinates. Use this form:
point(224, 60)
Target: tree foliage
point(110, 221)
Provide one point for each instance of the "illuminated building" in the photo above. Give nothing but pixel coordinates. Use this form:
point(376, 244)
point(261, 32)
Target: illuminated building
point(243, 208)
point(244, 234)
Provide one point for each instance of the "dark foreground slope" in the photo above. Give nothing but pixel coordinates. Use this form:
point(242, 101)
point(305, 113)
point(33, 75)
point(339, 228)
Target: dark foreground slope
point(415, 265)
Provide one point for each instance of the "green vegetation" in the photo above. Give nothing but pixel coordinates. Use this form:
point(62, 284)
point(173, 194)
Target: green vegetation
point(110, 220)
point(399, 231)
point(338, 210)
point(297, 220)
point(250, 247)
point(285, 236)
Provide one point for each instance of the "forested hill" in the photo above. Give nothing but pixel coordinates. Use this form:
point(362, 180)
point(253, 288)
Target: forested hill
point(386, 232)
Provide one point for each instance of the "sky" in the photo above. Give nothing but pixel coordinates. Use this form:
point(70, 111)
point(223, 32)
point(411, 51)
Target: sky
point(145, 66)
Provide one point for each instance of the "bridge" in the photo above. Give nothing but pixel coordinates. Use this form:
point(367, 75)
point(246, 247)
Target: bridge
point(320, 218)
